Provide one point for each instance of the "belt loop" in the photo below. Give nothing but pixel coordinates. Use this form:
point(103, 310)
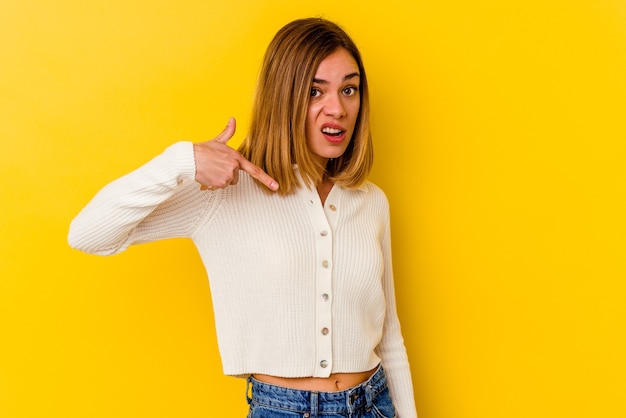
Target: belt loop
point(249, 389)
point(351, 399)
point(369, 396)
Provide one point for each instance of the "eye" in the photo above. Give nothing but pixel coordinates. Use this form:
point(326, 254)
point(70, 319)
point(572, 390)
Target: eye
point(350, 91)
point(315, 92)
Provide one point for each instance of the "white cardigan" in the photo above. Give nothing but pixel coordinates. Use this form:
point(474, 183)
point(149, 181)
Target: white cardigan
point(299, 289)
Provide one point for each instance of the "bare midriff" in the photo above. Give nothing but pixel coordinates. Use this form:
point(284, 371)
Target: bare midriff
point(334, 383)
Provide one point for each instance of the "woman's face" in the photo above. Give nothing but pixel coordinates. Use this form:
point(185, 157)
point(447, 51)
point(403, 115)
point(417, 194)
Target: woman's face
point(333, 106)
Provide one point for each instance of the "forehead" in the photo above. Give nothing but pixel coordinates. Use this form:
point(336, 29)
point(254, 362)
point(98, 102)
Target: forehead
point(337, 65)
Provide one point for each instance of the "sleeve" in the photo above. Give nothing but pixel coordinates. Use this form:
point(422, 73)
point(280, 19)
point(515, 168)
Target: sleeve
point(156, 201)
point(391, 349)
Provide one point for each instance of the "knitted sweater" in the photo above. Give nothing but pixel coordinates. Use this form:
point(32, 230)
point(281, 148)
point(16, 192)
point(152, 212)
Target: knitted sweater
point(299, 289)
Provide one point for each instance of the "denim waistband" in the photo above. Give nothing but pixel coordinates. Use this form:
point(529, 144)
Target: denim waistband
point(302, 401)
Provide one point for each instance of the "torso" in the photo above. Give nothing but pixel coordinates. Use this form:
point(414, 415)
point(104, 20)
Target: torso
point(354, 227)
point(334, 383)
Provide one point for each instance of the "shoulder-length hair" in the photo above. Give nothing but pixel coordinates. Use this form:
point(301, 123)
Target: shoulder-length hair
point(276, 139)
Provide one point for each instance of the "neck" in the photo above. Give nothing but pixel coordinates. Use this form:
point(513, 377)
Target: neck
point(323, 189)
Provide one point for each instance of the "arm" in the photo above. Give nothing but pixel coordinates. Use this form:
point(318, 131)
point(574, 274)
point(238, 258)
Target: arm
point(160, 200)
point(125, 211)
point(391, 349)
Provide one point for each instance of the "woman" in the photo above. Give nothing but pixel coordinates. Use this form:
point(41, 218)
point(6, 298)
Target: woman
point(294, 239)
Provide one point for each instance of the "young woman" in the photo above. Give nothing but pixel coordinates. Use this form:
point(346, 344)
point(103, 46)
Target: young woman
point(294, 239)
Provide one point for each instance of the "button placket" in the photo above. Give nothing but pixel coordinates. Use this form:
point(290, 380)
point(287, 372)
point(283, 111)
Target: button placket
point(324, 307)
point(323, 284)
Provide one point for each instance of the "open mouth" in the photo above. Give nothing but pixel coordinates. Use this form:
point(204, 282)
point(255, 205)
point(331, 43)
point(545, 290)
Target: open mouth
point(332, 132)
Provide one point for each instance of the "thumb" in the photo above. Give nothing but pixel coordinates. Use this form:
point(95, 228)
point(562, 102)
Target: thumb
point(228, 131)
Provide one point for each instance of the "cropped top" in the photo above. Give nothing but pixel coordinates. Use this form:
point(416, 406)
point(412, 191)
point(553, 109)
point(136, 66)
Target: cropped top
point(299, 288)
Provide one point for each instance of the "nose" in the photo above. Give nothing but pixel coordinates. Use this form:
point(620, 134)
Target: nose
point(334, 106)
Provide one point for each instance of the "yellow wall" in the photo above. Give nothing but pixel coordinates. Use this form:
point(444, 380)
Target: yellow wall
point(500, 138)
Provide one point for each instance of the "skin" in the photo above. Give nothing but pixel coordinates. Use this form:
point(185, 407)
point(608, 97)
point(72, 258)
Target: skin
point(218, 165)
point(334, 104)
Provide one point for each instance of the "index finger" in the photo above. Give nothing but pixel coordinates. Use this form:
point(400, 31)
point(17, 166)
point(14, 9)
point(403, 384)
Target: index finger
point(258, 174)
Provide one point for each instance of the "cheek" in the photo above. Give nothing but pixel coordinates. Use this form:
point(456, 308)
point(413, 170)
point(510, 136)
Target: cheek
point(309, 126)
point(312, 111)
point(354, 106)
point(354, 113)
point(311, 117)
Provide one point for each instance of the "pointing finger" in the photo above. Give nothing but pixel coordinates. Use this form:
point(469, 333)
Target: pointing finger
point(228, 131)
point(258, 174)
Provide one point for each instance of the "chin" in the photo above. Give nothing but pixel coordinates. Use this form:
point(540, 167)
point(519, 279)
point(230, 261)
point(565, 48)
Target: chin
point(327, 152)
point(333, 154)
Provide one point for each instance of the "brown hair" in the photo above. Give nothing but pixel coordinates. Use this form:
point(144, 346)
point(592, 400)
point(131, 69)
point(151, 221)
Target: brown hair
point(277, 137)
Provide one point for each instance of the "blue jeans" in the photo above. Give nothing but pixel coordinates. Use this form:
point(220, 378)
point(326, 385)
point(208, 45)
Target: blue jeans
point(370, 399)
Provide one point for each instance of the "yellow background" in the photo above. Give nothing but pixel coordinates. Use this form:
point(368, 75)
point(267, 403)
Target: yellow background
point(500, 138)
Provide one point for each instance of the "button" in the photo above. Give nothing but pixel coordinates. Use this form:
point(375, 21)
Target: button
point(324, 331)
point(323, 364)
point(332, 207)
point(324, 233)
point(325, 264)
point(325, 297)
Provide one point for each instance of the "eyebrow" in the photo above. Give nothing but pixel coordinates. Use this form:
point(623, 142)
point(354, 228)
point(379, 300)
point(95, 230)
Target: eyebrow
point(346, 78)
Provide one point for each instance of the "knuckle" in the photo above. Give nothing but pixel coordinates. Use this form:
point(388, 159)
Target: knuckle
point(255, 171)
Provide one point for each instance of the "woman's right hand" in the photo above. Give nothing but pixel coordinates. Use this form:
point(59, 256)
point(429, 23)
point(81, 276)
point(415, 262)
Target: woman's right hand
point(218, 165)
